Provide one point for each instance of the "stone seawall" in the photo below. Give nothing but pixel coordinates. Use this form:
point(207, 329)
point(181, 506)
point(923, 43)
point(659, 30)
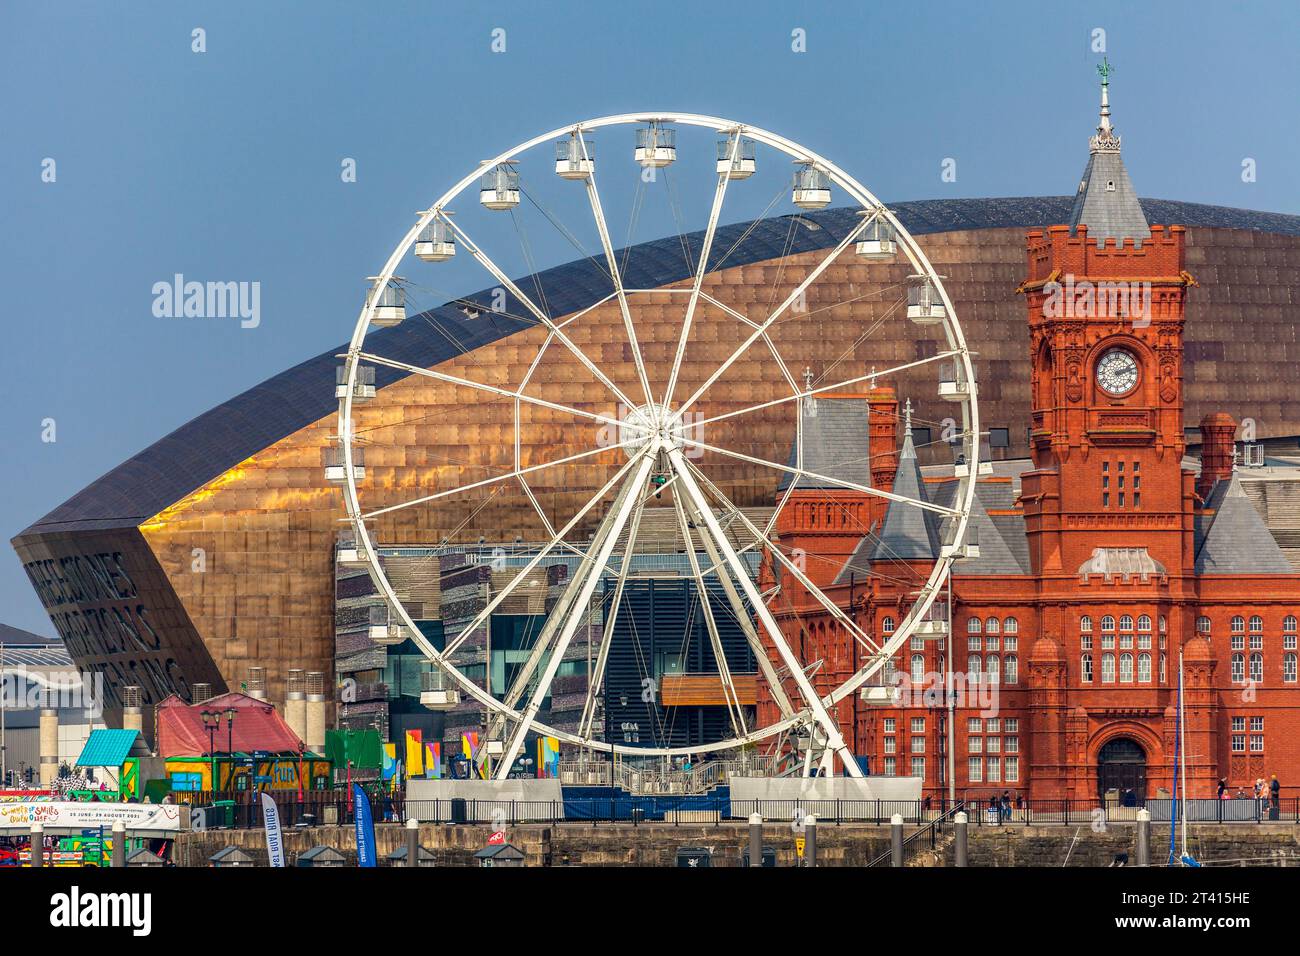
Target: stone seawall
point(568, 844)
point(656, 845)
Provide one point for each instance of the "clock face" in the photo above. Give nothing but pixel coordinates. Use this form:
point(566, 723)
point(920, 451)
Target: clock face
point(1117, 372)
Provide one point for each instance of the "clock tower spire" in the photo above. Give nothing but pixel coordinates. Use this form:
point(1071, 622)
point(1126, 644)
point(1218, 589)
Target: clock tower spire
point(1105, 295)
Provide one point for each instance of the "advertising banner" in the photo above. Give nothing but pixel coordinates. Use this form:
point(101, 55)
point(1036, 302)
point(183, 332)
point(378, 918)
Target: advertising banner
point(271, 823)
point(365, 828)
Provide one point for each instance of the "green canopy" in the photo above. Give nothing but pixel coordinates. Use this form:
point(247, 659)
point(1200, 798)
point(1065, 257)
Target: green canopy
point(362, 748)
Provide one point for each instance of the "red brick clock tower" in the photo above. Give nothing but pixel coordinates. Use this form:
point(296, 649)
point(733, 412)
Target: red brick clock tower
point(1109, 510)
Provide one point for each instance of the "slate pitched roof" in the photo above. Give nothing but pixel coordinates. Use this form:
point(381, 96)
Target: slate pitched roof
point(908, 533)
point(836, 443)
point(1233, 539)
point(1107, 203)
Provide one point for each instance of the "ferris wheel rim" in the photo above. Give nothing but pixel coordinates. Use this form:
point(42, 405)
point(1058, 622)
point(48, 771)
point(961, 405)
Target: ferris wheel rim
point(963, 501)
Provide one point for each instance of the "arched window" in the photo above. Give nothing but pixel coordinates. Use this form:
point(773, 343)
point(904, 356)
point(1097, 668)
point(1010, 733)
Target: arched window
point(973, 625)
point(1011, 668)
point(918, 669)
point(1256, 624)
point(1144, 668)
point(1108, 623)
point(1126, 623)
point(1085, 668)
point(992, 667)
point(1126, 668)
point(887, 625)
point(1108, 668)
point(1288, 668)
point(1239, 668)
point(1164, 668)
point(1288, 623)
point(1144, 623)
point(1238, 624)
point(1202, 625)
point(991, 626)
point(1257, 668)
point(974, 668)
point(1085, 625)
point(1164, 625)
point(1010, 626)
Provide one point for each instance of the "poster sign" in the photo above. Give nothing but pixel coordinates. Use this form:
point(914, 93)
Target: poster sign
point(271, 823)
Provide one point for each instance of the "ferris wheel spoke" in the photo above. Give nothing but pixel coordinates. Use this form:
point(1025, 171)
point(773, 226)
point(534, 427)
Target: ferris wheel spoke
point(823, 389)
point(505, 592)
point(838, 482)
point(719, 194)
point(776, 314)
point(818, 595)
point(597, 679)
point(835, 740)
point(498, 390)
point(602, 227)
point(483, 259)
point(643, 465)
point(711, 625)
point(515, 473)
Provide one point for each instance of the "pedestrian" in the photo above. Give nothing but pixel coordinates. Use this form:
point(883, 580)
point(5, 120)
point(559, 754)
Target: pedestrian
point(1006, 805)
point(1223, 787)
point(1275, 793)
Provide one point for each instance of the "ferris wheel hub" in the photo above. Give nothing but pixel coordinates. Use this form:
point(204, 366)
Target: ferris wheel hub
point(653, 427)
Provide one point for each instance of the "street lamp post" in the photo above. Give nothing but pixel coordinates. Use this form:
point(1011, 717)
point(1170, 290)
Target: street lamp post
point(229, 714)
point(211, 720)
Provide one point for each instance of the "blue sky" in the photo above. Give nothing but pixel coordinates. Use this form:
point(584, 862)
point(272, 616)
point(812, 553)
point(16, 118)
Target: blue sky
point(225, 165)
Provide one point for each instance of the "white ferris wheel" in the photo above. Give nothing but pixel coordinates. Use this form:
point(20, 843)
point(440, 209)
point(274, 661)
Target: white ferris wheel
point(661, 403)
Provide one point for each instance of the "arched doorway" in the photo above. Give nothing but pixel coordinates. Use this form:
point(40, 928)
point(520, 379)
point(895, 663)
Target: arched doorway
point(1122, 767)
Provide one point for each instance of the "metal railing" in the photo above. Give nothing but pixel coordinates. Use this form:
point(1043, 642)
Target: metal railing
point(242, 809)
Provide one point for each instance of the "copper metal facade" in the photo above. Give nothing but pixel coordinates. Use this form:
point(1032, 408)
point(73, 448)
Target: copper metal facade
point(130, 594)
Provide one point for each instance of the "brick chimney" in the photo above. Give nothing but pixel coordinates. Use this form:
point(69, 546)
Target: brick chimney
point(1218, 450)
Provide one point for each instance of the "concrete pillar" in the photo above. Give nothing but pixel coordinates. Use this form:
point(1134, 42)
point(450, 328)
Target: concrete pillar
point(119, 844)
point(412, 842)
point(960, 841)
point(896, 840)
point(810, 840)
point(38, 845)
point(756, 839)
point(49, 737)
point(315, 722)
point(1143, 837)
point(295, 704)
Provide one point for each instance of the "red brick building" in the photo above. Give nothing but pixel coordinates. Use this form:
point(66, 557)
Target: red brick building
point(1100, 561)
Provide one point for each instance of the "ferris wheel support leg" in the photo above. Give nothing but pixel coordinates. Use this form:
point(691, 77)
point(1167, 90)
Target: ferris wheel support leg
point(742, 615)
point(607, 631)
point(558, 614)
point(834, 738)
point(640, 475)
point(711, 625)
